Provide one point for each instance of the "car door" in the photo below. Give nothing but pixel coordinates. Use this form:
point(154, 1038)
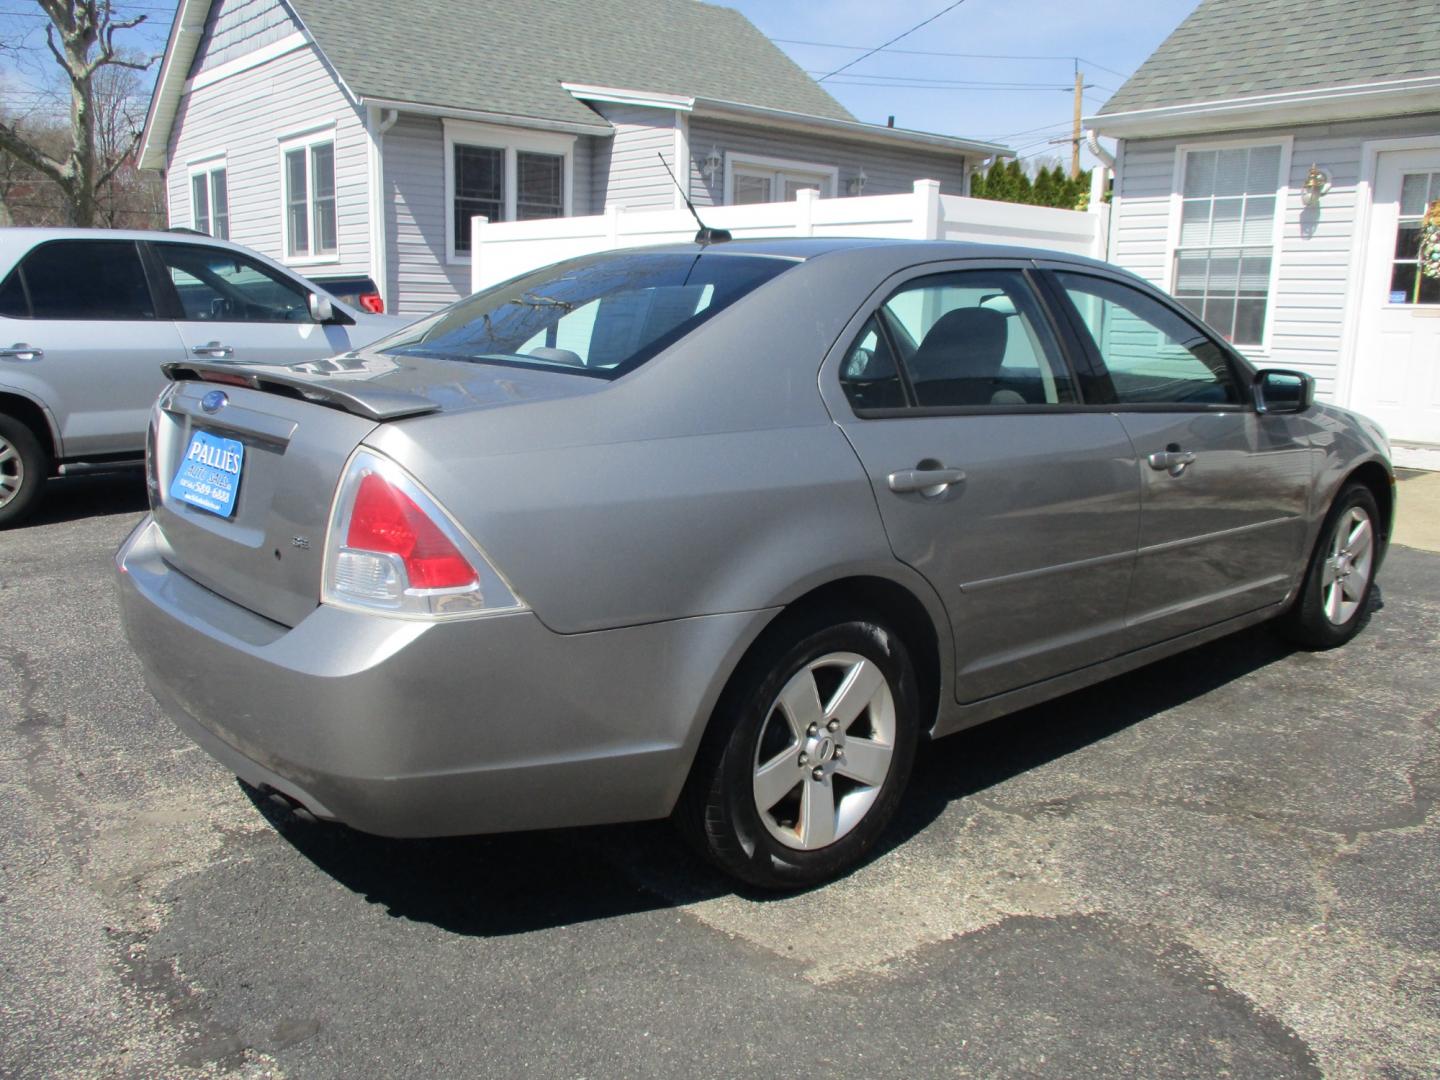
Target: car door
point(80, 332)
point(994, 480)
point(229, 306)
point(1224, 490)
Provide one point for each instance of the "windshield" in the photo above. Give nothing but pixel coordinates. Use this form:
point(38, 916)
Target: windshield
point(601, 315)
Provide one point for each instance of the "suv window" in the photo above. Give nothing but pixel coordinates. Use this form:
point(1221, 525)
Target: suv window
point(970, 338)
point(79, 279)
point(217, 285)
point(1153, 354)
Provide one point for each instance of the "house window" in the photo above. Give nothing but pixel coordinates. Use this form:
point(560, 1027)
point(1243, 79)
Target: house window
point(1418, 190)
point(210, 202)
point(308, 168)
point(502, 174)
point(1229, 201)
point(761, 180)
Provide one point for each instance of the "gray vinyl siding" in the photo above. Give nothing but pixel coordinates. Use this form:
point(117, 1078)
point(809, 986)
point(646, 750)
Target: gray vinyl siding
point(1309, 300)
point(236, 27)
point(626, 171)
point(888, 171)
point(243, 117)
point(420, 279)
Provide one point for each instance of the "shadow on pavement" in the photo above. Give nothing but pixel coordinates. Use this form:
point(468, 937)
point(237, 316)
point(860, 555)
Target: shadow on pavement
point(72, 498)
point(521, 882)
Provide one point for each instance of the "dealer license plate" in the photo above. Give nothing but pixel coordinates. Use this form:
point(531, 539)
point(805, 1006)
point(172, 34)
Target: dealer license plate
point(209, 474)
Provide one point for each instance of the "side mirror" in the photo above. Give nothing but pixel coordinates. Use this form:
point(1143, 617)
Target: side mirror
point(1280, 391)
point(321, 310)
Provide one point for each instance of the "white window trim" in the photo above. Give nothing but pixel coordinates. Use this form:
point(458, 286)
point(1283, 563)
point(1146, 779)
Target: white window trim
point(734, 160)
point(1282, 206)
point(310, 135)
point(512, 141)
point(204, 165)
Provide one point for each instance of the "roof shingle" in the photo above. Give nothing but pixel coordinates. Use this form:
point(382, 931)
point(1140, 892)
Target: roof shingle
point(1240, 48)
point(510, 56)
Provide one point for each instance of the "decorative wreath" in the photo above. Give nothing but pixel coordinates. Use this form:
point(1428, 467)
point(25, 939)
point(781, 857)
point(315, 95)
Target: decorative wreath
point(1430, 241)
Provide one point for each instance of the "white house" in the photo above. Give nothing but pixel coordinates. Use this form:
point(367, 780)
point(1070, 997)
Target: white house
point(1275, 158)
point(361, 137)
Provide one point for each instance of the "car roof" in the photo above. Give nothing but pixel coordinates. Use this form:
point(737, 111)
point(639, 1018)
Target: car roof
point(919, 251)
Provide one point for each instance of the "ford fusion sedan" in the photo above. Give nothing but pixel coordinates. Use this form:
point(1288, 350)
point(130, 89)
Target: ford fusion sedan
point(725, 533)
point(87, 316)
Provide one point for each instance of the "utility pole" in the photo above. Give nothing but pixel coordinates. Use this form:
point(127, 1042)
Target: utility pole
point(1075, 139)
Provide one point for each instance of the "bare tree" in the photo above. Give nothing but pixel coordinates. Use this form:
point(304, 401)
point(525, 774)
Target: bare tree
point(81, 38)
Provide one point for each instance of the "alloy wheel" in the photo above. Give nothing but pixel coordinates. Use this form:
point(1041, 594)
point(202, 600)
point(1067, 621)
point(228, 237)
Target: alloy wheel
point(824, 750)
point(1346, 573)
point(12, 471)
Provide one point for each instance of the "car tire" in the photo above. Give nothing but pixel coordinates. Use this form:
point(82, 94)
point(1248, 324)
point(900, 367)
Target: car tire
point(1334, 598)
point(782, 804)
point(24, 468)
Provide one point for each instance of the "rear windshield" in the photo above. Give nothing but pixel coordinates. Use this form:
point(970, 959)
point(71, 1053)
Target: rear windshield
point(600, 316)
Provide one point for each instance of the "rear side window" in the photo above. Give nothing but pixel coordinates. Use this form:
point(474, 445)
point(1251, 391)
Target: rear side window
point(79, 279)
point(974, 338)
point(600, 316)
point(1154, 356)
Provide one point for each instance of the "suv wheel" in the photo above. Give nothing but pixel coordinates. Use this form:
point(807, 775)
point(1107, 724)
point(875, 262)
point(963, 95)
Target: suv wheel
point(24, 468)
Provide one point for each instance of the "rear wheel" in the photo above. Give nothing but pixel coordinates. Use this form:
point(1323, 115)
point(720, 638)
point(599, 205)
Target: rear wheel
point(1334, 599)
point(24, 468)
point(809, 754)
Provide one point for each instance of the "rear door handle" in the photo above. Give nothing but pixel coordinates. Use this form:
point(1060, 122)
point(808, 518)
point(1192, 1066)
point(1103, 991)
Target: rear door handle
point(925, 481)
point(1172, 460)
point(21, 351)
point(214, 350)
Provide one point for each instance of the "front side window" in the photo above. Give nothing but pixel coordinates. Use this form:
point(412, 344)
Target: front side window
point(1153, 355)
point(214, 285)
point(210, 203)
point(1227, 238)
point(971, 338)
point(600, 315)
point(310, 214)
point(79, 279)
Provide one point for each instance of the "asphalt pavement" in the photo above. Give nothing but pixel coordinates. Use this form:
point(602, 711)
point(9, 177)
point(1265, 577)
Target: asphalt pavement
point(1222, 865)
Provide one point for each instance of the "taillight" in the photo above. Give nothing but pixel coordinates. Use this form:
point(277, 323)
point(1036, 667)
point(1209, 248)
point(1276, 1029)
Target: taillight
point(372, 302)
point(391, 547)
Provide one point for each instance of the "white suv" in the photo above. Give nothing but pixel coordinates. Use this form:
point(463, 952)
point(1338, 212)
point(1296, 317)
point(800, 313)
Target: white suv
point(87, 316)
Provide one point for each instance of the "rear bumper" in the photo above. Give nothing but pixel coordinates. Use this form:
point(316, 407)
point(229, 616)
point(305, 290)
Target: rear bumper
point(408, 728)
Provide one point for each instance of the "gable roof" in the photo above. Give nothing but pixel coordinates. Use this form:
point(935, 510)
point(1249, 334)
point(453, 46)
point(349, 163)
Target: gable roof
point(1230, 49)
point(510, 56)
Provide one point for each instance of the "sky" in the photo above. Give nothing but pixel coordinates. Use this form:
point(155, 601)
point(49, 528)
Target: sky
point(1013, 84)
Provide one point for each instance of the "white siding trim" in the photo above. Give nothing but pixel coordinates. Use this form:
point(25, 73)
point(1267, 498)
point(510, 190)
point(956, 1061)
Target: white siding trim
point(682, 159)
point(616, 96)
point(262, 55)
point(511, 140)
point(736, 159)
point(375, 128)
point(1370, 152)
point(1277, 236)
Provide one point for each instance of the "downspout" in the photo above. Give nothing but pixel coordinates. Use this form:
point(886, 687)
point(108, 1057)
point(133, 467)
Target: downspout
point(1093, 142)
point(379, 261)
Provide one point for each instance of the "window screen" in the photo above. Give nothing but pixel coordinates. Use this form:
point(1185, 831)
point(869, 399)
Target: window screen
point(539, 186)
point(1227, 238)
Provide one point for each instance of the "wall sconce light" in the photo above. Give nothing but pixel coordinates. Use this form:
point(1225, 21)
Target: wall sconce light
point(1317, 183)
point(858, 182)
point(712, 163)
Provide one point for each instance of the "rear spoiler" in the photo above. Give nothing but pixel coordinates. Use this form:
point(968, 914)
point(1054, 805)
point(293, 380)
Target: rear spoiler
point(348, 394)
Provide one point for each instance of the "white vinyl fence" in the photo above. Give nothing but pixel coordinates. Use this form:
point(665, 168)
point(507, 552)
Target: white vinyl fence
point(501, 250)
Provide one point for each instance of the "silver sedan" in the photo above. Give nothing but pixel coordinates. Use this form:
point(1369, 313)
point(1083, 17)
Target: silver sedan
point(724, 532)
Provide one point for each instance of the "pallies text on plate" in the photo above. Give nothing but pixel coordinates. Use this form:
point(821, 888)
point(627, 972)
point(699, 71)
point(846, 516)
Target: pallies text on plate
point(215, 457)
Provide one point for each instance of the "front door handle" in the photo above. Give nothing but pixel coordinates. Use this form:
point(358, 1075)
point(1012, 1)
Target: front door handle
point(21, 351)
point(1172, 460)
point(926, 481)
point(214, 350)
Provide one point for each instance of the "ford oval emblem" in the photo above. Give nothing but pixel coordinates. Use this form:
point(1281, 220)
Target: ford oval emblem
point(214, 401)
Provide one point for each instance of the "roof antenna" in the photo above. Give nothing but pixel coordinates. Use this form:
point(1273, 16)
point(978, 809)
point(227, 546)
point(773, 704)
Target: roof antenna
point(706, 235)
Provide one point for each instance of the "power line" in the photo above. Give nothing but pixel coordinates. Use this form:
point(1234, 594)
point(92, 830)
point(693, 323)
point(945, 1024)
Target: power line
point(948, 8)
point(938, 80)
point(953, 55)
